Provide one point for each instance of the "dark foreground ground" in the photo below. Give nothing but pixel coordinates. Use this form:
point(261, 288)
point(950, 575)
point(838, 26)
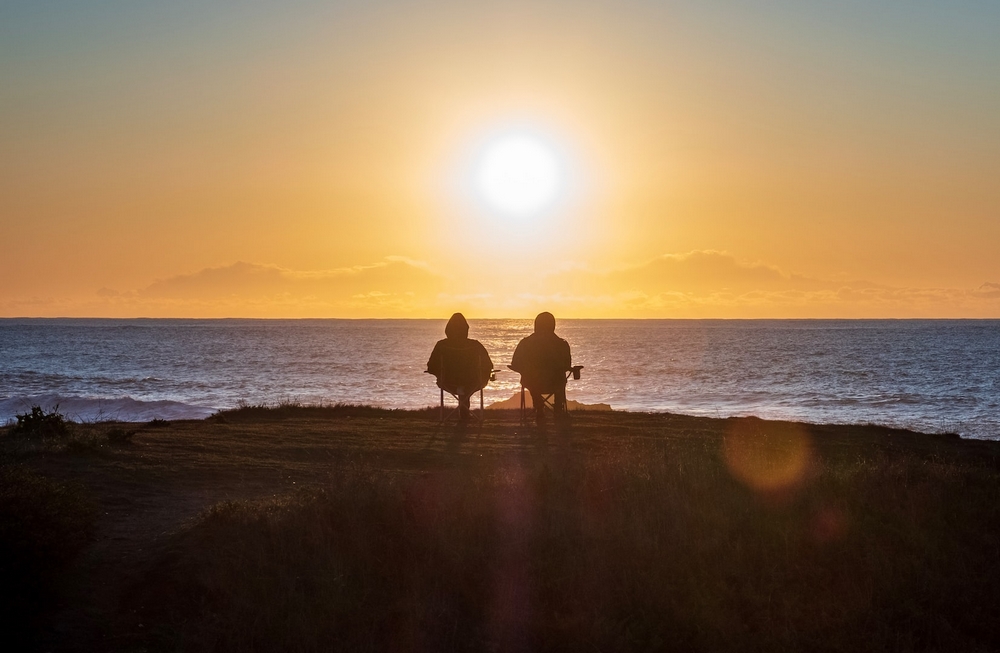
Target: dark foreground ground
point(347, 528)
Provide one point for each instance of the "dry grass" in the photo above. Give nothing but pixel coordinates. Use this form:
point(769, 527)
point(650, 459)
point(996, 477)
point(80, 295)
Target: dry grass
point(43, 526)
point(350, 528)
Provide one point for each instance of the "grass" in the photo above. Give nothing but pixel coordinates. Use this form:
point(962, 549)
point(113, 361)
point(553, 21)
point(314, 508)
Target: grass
point(44, 524)
point(286, 409)
point(351, 528)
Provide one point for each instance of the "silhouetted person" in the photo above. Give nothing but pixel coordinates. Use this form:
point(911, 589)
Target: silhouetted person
point(543, 359)
point(462, 365)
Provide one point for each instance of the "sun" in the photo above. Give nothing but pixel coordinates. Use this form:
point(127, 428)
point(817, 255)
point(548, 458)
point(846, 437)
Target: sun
point(518, 175)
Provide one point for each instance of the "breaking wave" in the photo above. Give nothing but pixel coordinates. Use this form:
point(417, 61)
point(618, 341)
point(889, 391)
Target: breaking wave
point(87, 409)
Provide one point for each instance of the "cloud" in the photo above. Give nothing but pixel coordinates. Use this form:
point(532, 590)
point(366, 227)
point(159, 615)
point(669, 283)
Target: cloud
point(988, 291)
point(697, 284)
point(699, 272)
point(389, 277)
point(392, 287)
point(704, 271)
point(711, 283)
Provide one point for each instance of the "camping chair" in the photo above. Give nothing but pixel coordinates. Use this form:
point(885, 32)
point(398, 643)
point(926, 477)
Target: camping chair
point(452, 362)
point(549, 399)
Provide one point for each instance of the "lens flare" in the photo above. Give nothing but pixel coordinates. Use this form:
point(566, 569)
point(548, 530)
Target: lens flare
point(767, 457)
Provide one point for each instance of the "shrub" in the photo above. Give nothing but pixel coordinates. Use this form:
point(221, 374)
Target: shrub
point(83, 444)
point(218, 418)
point(40, 424)
point(120, 436)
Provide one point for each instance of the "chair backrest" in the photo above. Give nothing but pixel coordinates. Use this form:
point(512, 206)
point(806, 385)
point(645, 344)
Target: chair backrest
point(462, 367)
point(542, 359)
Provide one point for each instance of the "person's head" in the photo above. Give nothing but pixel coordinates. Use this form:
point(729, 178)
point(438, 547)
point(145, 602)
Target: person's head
point(545, 323)
point(457, 327)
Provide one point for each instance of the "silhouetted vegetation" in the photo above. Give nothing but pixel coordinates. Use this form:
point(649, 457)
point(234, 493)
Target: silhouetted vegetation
point(41, 424)
point(293, 409)
point(355, 528)
point(650, 548)
point(118, 435)
point(84, 444)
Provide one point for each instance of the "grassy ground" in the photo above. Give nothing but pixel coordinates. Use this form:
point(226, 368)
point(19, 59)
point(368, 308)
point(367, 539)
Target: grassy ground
point(307, 529)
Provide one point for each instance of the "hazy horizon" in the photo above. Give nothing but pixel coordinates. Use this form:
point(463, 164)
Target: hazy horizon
point(528, 319)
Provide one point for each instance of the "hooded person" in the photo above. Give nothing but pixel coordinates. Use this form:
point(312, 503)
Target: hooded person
point(543, 359)
point(462, 365)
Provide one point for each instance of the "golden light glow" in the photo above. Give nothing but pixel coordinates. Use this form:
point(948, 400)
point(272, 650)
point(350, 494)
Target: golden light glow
point(499, 159)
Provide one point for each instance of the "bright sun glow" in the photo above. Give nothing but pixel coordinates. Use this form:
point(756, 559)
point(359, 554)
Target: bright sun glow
point(518, 176)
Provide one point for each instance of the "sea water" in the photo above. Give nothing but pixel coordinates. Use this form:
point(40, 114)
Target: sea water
point(929, 375)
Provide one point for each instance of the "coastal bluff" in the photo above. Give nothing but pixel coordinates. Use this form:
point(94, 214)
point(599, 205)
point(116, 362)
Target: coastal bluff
point(355, 528)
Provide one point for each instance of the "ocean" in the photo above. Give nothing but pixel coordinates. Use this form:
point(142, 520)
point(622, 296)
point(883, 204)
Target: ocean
point(928, 375)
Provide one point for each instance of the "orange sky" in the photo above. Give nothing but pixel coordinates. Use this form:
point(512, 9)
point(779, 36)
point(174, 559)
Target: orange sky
point(312, 160)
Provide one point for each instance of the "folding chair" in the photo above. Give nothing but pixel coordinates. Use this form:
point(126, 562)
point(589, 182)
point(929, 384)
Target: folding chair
point(549, 399)
point(447, 414)
point(455, 362)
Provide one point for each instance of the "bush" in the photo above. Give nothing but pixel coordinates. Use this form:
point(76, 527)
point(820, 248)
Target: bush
point(40, 424)
point(120, 436)
point(83, 444)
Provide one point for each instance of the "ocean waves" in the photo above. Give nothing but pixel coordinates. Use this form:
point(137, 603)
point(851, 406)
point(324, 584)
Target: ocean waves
point(929, 375)
point(90, 409)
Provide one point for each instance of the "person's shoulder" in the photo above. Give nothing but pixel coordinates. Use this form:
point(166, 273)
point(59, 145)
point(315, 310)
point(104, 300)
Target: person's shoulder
point(465, 345)
point(445, 345)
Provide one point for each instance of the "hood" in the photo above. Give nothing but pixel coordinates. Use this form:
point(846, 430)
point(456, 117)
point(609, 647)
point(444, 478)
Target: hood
point(457, 327)
point(545, 323)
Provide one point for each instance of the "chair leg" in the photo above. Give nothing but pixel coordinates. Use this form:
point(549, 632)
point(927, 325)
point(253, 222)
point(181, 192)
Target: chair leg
point(549, 401)
point(445, 415)
point(559, 403)
point(523, 418)
point(553, 402)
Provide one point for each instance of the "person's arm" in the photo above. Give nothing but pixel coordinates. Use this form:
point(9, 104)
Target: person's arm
point(434, 362)
point(516, 363)
point(486, 363)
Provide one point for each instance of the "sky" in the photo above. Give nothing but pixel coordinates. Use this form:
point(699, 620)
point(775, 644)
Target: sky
point(712, 159)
